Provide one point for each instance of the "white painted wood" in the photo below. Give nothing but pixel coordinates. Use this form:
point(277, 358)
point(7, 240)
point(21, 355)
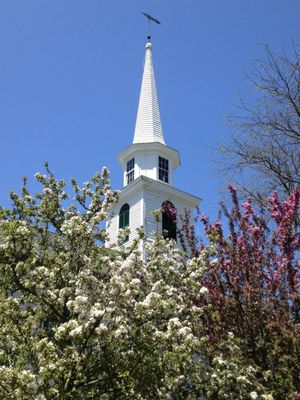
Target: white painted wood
point(148, 126)
point(135, 203)
point(146, 157)
point(153, 201)
point(144, 196)
point(147, 193)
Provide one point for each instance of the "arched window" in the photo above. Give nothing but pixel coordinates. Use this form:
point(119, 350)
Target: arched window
point(124, 218)
point(169, 229)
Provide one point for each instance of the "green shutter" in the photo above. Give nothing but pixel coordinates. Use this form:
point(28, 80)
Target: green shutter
point(124, 216)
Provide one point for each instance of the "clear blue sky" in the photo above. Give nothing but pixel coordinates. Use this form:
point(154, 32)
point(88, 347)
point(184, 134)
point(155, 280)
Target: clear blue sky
point(70, 74)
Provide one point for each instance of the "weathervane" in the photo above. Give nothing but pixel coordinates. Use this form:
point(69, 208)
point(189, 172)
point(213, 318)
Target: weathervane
point(150, 18)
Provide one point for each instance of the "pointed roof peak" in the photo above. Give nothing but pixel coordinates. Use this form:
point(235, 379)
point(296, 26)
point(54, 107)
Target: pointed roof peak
point(148, 127)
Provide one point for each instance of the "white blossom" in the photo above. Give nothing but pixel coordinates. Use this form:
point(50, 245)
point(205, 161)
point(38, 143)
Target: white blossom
point(76, 332)
point(204, 290)
point(151, 300)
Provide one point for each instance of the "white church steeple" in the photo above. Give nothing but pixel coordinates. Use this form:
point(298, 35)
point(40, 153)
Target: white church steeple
point(148, 155)
point(148, 165)
point(148, 127)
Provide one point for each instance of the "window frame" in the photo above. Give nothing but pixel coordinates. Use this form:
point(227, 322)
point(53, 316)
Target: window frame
point(130, 170)
point(163, 169)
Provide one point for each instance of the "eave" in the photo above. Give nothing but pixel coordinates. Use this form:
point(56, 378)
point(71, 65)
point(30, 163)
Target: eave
point(157, 147)
point(143, 182)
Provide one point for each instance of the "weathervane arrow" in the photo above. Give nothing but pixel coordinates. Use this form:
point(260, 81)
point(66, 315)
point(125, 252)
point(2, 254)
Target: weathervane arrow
point(150, 18)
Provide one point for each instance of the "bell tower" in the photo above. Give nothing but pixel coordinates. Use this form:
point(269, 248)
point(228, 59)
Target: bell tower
point(148, 165)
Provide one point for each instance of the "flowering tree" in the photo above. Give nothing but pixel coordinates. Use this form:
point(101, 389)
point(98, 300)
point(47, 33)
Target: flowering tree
point(81, 321)
point(253, 277)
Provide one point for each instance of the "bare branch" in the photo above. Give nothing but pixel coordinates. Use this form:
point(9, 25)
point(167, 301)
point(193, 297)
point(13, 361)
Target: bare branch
point(265, 144)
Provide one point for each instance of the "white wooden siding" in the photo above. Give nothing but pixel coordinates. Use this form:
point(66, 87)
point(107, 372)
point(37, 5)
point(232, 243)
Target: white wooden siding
point(144, 196)
point(135, 221)
point(146, 164)
point(153, 201)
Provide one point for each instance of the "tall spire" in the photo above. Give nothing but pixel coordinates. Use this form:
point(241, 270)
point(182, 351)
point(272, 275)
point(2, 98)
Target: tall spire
point(148, 128)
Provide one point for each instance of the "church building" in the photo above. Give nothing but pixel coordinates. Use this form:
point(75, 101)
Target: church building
point(148, 165)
